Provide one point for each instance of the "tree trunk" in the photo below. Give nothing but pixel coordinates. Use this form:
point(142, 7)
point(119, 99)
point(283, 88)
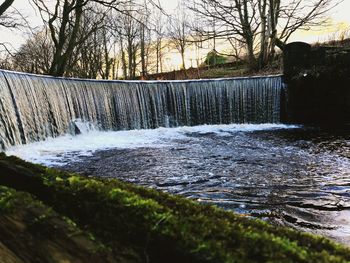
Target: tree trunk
point(123, 60)
point(264, 39)
point(5, 5)
point(61, 57)
point(251, 56)
point(142, 51)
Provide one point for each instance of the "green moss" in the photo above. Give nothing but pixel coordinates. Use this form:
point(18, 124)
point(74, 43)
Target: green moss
point(33, 232)
point(213, 59)
point(162, 227)
point(5, 199)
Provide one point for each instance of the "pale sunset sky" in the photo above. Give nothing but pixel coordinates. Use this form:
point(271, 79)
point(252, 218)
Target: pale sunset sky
point(339, 17)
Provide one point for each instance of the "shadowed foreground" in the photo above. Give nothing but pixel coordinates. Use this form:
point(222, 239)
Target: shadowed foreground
point(65, 217)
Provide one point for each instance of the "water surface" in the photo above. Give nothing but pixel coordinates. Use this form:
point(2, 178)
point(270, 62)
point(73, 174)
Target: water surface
point(287, 175)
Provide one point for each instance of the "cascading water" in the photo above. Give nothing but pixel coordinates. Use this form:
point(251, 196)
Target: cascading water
point(34, 107)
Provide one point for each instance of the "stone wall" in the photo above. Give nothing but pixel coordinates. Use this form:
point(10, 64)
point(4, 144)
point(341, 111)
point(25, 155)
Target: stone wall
point(318, 81)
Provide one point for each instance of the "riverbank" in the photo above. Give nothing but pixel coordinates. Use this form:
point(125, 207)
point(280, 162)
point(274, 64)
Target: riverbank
point(225, 70)
point(121, 222)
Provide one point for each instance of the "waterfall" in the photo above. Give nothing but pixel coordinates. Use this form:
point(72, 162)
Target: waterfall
point(34, 107)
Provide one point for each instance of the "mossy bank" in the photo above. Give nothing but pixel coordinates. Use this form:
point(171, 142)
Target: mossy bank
point(52, 216)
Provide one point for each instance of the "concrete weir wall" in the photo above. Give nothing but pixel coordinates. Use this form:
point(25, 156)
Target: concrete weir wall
point(318, 80)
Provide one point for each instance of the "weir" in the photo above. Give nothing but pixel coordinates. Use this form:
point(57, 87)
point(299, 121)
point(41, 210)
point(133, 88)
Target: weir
point(34, 107)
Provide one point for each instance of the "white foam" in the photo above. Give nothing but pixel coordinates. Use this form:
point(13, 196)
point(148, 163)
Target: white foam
point(54, 150)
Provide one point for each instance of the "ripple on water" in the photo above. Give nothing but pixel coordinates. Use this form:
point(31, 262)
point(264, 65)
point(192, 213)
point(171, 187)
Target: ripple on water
point(285, 176)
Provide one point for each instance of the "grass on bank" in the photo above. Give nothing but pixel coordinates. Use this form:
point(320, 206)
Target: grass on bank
point(142, 225)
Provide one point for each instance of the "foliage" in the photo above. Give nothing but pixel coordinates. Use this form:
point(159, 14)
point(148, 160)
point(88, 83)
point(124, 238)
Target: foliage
point(35, 233)
point(162, 227)
point(213, 58)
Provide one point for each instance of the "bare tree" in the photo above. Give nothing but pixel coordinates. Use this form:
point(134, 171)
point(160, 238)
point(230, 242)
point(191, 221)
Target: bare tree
point(179, 31)
point(133, 28)
point(10, 18)
point(261, 24)
point(123, 58)
point(159, 35)
point(145, 38)
point(92, 58)
point(128, 29)
point(108, 43)
point(6, 61)
point(64, 22)
point(35, 55)
point(235, 19)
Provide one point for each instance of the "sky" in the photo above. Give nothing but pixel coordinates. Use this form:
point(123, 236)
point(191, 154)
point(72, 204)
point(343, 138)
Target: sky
point(340, 20)
point(339, 16)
